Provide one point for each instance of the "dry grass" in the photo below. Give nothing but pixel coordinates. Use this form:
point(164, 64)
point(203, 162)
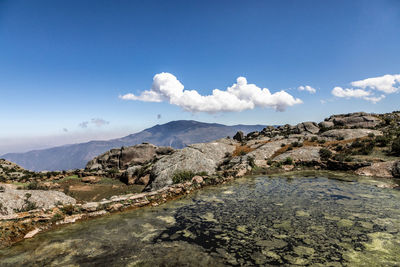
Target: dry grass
point(281, 151)
point(242, 150)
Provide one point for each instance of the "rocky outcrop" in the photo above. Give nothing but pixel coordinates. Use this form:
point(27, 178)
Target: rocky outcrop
point(239, 136)
point(11, 171)
point(123, 158)
point(306, 127)
point(358, 119)
point(346, 134)
point(13, 200)
point(203, 157)
point(378, 169)
point(346, 166)
point(302, 154)
point(266, 151)
point(396, 169)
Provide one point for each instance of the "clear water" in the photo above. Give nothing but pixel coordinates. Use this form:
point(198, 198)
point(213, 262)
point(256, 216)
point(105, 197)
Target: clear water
point(253, 221)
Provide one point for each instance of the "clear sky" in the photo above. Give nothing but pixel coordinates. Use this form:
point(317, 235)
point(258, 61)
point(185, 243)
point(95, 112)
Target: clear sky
point(69, 68)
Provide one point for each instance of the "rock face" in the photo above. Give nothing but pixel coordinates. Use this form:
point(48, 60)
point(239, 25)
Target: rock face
point(13, 199)
point(358, 119)
point(239, 136)
point(378, 169)
point(124, 157)
point(266, 151)
point(10, 170)
point(203, 157)
point(308, 153)
point(396, 169)
point(347, 134)
point(306, 127)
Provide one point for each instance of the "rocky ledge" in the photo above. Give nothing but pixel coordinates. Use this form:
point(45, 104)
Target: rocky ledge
point(358, 143)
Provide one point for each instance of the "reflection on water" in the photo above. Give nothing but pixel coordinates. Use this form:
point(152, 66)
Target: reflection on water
point(252, 221)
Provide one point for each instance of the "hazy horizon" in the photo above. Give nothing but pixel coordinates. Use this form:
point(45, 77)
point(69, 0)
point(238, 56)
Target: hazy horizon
point(74, 71)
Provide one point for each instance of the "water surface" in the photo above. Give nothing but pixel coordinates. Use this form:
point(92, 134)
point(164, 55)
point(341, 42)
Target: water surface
point(252, 221)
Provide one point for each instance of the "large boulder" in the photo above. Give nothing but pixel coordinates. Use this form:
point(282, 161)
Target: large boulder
point(346, 134)
point(358, 119)
point(378, 169)
point(125, 157)
point(266, 151)
point(204, 157)
point(306, 127)
point(239, 136)
point(12, 199)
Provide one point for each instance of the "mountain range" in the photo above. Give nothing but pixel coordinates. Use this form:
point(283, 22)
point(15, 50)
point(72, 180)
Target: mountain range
point(176, 134)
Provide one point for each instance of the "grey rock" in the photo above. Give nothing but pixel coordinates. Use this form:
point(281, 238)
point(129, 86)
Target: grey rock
point(196, 158)
point(396, 169)
point(306, 127)
point(348, 133)
point(239, 136)
point(378, 169)
point(125, 157)
point(326, 124)
point(12, 198)
point(307, 153)
point(358, 119)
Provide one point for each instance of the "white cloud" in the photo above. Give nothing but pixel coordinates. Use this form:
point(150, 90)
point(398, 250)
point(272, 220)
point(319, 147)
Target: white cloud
point(240, 96)
point(307, 88)
point(363, 88)
point(358, 93)
point(374, 99)
point(384, 83)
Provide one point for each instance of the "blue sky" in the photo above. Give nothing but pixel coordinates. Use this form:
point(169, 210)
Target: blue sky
point(64, 63)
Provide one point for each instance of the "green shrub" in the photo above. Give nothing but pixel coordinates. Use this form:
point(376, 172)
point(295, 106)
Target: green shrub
point(288, 161)
point(322, 141)
point(283, 144)
point(382, 140)
point(68, 209)
point(297, 144)
point(28, 205)
point(314, 139)
point(396, 146)
point(56, 217)
point(251, 162)
point(182, 176)
point(371, 135)
point(325, 154)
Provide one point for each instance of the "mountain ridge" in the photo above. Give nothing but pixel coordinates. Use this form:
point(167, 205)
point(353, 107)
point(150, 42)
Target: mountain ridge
point(176, 134)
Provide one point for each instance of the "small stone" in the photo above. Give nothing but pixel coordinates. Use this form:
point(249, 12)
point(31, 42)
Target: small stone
point(91, 179)
point(197, 179)
point(32, 233)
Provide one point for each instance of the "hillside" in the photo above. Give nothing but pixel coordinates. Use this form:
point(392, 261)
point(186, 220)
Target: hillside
point(176, 134)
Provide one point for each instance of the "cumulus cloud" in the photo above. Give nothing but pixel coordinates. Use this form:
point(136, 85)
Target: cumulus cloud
point(307, 88)
point(364, 89)
point(240, 96)
point(385, 83)
point(358, 93)
point(99, 122)
point(374, 99)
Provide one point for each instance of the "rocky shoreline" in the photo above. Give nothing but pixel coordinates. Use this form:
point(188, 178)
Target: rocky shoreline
point(147, 175)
